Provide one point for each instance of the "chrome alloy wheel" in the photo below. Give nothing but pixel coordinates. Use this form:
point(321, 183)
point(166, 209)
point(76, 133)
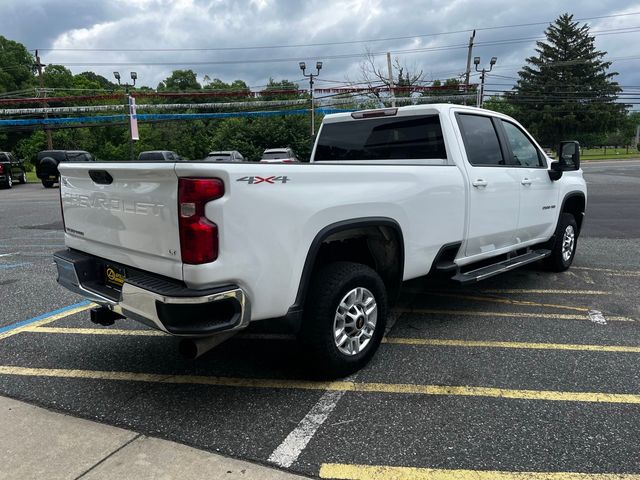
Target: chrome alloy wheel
point(568, 242)
point(355, 321)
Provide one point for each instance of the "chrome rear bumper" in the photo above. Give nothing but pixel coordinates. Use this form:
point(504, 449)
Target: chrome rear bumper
point(165, 304)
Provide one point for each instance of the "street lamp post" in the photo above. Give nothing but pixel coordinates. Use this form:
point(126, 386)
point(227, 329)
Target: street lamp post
point(303, 67)
point(127, 107)
point(483, 73)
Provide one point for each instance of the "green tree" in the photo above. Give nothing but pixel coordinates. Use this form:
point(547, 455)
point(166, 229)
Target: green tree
point(95, 79)
point(57, 76)
point(501, 105)
point(251, 136)
point(566, 90)
point(181, 81)
point(16, 66)
point(280, 90)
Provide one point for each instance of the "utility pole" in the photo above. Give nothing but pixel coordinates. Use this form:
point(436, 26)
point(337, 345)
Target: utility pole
point(391, 89)
point(303, 67)
point(468, 70)
point(127, 106)
point(39, 66)
point(483, 73)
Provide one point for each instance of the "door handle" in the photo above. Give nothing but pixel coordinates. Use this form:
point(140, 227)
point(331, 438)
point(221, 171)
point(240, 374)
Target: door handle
point(526, 181)
point(479, 183)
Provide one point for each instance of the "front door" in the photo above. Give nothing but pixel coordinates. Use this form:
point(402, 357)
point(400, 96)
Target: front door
point(538, 195)
point(494, 187)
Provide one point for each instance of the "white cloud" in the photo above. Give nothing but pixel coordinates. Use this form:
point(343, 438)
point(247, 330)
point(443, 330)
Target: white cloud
point(175, 24)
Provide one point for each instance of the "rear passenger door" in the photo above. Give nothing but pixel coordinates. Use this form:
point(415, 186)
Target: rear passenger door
point(538, 195)
point(493, 202)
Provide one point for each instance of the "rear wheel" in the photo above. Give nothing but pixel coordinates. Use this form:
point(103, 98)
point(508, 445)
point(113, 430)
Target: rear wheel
point(345, 318)
point(9, 182)
point(564, 248)
point(47, 184)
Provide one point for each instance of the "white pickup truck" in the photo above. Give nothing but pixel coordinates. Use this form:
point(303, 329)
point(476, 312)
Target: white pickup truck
point(200, 250)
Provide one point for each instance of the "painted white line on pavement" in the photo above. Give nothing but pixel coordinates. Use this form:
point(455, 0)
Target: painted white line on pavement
point(292, 446)
point(611, 271)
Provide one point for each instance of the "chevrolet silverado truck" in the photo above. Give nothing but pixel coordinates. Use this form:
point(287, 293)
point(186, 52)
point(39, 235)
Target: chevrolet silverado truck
point(200, 250)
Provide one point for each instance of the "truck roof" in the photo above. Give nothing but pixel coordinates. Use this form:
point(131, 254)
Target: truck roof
point(426, 109)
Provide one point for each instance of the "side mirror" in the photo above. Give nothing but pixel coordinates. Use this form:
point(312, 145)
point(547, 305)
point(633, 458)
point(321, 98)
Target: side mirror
point(569, 155)
point(556, 171)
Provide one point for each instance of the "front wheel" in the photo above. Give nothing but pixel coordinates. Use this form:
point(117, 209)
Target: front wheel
point(23, 178)
point(345, 318)
point(564, 248)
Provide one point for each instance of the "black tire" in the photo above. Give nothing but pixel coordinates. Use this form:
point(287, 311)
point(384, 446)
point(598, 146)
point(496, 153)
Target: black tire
point(328, 289)
point(9, 182)
point(47, 184)
point(558, 261)
point(23, 178)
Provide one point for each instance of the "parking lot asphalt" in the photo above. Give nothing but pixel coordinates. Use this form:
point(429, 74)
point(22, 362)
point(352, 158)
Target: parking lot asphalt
point(517, 374)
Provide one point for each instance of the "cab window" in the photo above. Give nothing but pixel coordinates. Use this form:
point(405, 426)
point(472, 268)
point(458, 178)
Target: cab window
point(480, 140)
point(524, 151)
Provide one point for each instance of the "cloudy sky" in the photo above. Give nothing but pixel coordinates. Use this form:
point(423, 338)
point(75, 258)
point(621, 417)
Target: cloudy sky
point(433, 35)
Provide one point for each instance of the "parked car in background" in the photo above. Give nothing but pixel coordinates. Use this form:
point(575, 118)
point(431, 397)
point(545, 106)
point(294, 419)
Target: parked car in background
point(279, 155)
point(159, 156)
point(11, 170)
point(47, 163)
point(225, 156)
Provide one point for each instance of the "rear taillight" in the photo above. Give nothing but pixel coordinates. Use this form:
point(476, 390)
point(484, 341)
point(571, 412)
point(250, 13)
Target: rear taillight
point(198, 236)
point(1, 169)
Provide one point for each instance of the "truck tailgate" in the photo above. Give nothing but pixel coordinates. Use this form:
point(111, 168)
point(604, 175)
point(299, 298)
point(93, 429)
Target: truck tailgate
point(124, 212)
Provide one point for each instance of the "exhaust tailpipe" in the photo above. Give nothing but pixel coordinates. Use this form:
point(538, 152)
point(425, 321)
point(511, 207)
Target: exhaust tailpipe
point(192, 348)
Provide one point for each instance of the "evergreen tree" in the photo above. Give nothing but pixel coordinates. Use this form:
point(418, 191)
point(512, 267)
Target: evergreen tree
point(566, 91)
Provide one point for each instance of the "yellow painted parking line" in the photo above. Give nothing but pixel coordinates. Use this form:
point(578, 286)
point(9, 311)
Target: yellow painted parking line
point(545, 291)
point(437, 342)
point(392, 388)
point(46, 320)
point(477, 313)
point(339, 471)
point(93, 331)
point(611, 271)
point(510, 301)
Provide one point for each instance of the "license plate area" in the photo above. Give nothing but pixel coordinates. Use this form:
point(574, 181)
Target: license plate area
point(113, 276)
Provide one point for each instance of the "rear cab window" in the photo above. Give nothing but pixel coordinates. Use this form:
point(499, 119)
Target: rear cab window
point(398, 138)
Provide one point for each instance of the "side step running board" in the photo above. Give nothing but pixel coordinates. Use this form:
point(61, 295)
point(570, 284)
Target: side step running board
point(500, 267)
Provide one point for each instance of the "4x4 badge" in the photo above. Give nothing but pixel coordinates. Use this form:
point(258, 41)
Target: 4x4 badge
point(254, 180)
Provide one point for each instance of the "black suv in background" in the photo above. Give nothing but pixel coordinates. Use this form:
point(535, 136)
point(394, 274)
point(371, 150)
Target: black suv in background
point(11, 170)
point(47, 163)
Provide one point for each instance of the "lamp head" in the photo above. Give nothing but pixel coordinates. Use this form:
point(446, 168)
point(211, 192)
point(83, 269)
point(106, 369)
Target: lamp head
point(476, 60)
point(117, 75)
point(134, 76)
point(493, 61)
point(318, 66)
point(303, 66)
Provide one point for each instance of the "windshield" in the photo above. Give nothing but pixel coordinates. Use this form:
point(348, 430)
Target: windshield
point(382, 139)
